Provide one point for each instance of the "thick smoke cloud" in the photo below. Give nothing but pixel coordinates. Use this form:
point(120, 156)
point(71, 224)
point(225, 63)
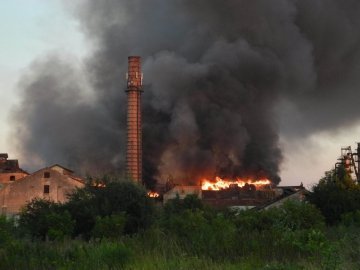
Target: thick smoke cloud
point(56, 123)
point(216, 73)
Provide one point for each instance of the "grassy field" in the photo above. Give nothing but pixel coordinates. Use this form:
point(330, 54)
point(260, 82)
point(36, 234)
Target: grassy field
point(155, 249)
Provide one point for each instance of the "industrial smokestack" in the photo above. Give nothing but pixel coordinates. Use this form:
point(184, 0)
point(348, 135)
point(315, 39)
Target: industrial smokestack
point(134, 132)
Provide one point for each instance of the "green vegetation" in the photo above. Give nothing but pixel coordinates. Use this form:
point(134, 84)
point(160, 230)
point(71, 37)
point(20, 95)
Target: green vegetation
point(45, 220)
point(119, 227)
point(89, 204)
point(336, 195)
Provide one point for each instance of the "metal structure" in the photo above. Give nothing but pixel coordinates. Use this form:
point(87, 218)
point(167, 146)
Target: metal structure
point(349, 161)
point(134, 130)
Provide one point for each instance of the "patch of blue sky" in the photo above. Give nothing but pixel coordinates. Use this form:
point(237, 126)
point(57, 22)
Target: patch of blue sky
point(31, 28)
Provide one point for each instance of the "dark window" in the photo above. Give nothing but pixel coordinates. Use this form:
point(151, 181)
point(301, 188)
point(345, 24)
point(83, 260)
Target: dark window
point(12, 178)
point(46, 189)
point(46, 175)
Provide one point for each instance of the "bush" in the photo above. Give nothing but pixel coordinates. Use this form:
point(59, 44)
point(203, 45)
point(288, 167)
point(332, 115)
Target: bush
point(291, 215)
point(115, 198)
point(114, 255)
point(7, 231)
point(214, 237)
point(249, 221)
point(277, 232)
point(176, 206)
point(201, 232)
point(335, 196)
point(45, 220)
point(351, 219)
point(299, 216)
point(82, 208)
point(109, 227)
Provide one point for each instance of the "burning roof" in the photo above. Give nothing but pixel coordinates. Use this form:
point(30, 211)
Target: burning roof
point(220, 183)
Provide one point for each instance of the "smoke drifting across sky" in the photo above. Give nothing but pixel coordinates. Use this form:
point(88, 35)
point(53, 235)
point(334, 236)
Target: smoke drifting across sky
point(217, 76)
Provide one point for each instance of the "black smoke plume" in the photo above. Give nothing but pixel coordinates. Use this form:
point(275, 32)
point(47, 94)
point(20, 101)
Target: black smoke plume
point(217, 75)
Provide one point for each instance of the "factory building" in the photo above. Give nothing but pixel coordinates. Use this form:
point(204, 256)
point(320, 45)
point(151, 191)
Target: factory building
point(10, 170)
point(240, 198)
point(52, 183)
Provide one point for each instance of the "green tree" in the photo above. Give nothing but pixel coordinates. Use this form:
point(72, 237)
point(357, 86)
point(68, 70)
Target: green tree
point(45, 219)
point(335, 195)
point(113, 198)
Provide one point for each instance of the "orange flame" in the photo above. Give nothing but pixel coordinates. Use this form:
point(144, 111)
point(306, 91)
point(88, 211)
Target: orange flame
point(153, 194)
point(219, 183)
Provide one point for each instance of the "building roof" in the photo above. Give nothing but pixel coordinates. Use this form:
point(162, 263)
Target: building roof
point(58, 165)
point(52, 168)
point(4, 155)
point(70, 176)
point(10, 166)
point(285, 196)
point(79, 179)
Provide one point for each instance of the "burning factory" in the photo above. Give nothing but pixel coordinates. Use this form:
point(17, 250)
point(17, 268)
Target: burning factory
point(55, 182)
point(218, 192)
point(224, 80)
point(224, 183)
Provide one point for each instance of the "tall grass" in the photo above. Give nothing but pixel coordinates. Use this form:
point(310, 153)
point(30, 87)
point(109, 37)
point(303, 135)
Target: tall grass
point(68, 254)
point(155, 249)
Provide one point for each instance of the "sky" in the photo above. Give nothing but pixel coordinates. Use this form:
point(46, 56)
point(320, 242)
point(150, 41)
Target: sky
point(30, 29)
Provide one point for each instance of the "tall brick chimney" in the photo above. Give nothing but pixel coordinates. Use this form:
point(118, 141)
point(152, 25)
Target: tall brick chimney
point(134, 130)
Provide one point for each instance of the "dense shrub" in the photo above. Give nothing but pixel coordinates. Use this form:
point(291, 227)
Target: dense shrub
point(291, 228)
point(200, 230)
point(7, 230)
point(294, 215)
point(335, 195)
point(291, 215)
point(283, 232)
point(176, 206)
point(115, 198)
point(83, 211)
point(351, 218)
point(99, 211)
point(110, 227)
point(45, 219)
point(200, 234)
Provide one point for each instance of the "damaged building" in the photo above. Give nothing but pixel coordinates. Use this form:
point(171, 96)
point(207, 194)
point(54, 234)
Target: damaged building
point(240, 197)
point(18, 187)
point(10, 170)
